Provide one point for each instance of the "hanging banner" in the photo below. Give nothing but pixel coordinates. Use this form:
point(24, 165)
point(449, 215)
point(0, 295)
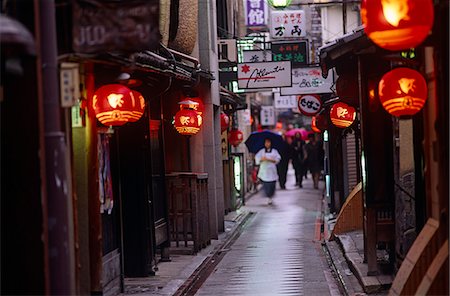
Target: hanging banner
point(287, 24)
point(264, 75)
point(255, 13)
point(284, 102)
point(256, 56)
point(111, 26)
point(296, 52)
point(267, 115)
point(308, 81)
point(309, 105)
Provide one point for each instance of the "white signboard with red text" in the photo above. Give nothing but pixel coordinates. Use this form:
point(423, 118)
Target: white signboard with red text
point(264, 75)
point(287, 24)
point(308, 81)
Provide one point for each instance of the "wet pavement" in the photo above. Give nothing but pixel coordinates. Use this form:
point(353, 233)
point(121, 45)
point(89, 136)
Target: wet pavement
point(279, 250)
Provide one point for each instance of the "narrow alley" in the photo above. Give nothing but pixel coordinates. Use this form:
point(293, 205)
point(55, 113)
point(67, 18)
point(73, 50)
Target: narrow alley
point(279, 250)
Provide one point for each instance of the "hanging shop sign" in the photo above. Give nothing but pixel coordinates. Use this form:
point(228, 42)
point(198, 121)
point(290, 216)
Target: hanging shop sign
point(69, 84)
point(397, 24)
point(256, 13)
point(256, 56)
point(284, 102)
point(342, 115)
point(115, 105)
point(309, 105)
point(287, 24)
point(119, 26)
point(246, 117)
point(402, 91)
point(308, 81)
point(264, 75)
point(296, 52)
point(267, 115)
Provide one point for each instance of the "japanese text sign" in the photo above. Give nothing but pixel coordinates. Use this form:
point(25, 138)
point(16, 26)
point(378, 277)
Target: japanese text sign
point(287, 24)
point(296, 52)
point(255, 56)
point(308, 81)
point(264, 75)
point(125, 26)
point(255, 13)
point(267, 115)
point(309, 105)
point(284, 102)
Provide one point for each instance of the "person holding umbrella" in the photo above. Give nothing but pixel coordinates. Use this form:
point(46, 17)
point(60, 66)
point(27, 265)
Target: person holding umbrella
point(267, 158)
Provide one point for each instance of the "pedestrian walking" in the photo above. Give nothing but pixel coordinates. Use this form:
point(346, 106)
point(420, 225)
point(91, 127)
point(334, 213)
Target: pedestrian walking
point(313, 157)
point(298, 158)
point(267, 159)
point(282, 166)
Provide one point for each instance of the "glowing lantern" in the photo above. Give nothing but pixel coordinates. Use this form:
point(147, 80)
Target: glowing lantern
point(397, 24)
point(342, 115)
point(114, 105)
point(235, 137)
point(314, 126)
point(199, 106)
point(402, 91)
point(139, 103)
point(187, 120)
point(224, 121)
point(279, 3)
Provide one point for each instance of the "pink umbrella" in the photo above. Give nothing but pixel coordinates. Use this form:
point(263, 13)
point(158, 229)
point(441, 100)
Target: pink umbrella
point(292, 132)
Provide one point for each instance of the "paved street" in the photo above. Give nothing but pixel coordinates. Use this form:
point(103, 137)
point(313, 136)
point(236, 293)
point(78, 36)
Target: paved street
point(278, 252)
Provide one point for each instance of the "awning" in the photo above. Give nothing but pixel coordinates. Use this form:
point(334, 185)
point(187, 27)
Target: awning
point(353, 43)
point(234, 100)
point(15, 38)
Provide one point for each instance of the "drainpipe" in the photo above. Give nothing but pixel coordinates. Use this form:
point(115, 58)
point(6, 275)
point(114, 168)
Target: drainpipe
point(56, 181)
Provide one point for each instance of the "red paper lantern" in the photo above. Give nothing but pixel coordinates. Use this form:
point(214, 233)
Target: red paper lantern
point(199, 107)
point(224, 121)
point(235, 137)
point(342, 115)
point(397, 24)
point(188, 122)
point(139, 103)
point(402, 91)
point(314, 125)
point(114, 105)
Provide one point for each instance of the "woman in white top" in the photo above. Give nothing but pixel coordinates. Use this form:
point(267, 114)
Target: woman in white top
point(267, 159)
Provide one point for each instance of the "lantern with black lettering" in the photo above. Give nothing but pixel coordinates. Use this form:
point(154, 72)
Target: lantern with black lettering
point(139, 103)
point(114, 105)
point(402, 91)
point(342, 115)
point(224, 121)
point(397, 24)
point(187, 120)
point(235, 137)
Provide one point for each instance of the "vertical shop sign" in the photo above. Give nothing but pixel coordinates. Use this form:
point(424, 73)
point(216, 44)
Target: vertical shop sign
point(296, 52)
point(267, 115)
point(115, 26)
point(287, 24)
point(255, 13)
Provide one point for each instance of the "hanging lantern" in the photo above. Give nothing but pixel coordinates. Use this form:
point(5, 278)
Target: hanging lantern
point(224, 121)
point(139, 103)
point(342, 115)
point(402, 91)
point(188, 122)
point(314, 125)
point(279, 3)
point(397, 24)
point(198, 106)
point(235, 137)
point(114, 105)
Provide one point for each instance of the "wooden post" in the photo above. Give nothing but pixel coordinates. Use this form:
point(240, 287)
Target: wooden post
point(95, 226)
